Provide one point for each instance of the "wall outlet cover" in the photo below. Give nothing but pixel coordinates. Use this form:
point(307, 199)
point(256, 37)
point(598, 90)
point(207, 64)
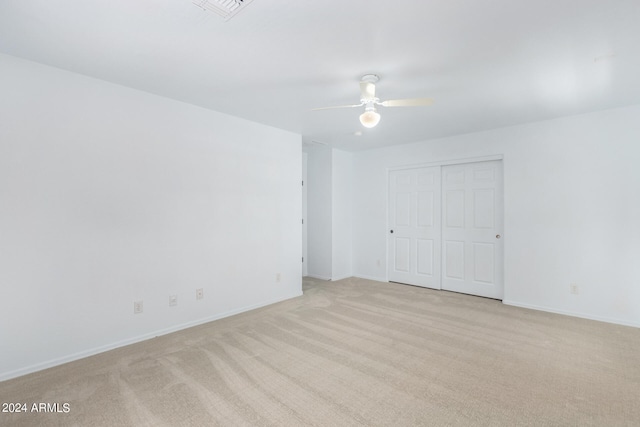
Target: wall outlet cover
point(137, 307)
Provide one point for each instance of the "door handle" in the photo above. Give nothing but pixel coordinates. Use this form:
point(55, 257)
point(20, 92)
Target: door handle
point(498, 236)
point(391, 232)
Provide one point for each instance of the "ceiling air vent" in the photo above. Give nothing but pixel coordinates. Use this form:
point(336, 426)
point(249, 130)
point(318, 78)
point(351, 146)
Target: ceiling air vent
point(225, 8)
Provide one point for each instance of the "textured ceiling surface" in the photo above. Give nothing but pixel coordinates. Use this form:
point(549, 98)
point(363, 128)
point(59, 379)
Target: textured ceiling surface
point(487, 64)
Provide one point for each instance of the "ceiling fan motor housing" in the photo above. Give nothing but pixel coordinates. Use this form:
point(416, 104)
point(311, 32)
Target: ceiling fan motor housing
point(370, 78)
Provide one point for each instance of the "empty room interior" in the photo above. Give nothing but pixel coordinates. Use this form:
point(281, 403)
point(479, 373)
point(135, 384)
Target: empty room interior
point(284, 213)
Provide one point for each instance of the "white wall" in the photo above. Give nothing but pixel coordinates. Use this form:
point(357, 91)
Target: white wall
point(319, 212)
point(572, 210)
point(341, 195)
point(110, 195)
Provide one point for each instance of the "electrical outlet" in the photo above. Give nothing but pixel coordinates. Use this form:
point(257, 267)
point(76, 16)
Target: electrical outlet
point(199, 293)
point(378, 263)
point(137, 307)
point(277, 277)
point(573, 288)
point(173, 300)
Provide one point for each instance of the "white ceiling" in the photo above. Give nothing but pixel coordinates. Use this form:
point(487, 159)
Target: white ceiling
point(487, 64)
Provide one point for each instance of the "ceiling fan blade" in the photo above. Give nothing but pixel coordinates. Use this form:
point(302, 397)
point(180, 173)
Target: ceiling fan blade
point(411, 102)
point(367, 90)
point(338, 106)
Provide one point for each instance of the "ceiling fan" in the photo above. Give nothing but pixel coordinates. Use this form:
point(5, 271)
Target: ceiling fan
point(371, 117)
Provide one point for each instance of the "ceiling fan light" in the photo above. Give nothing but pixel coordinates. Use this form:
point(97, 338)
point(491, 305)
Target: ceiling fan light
point(369, 118)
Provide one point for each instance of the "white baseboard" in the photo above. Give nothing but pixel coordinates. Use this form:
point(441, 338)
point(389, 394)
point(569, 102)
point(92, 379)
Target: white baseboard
point(91, 352)
point(314, 276)
point(377, 279)
point(571, 313)
point(335, 279)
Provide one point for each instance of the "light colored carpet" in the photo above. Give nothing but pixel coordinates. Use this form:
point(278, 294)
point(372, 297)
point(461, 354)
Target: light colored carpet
point(355, 353)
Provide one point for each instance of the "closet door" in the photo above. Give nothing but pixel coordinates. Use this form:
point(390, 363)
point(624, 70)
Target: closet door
point(472, 223)
point(414, 227)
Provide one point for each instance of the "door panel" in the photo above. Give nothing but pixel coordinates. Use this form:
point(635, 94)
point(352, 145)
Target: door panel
point(455, 209)
point(425, 257)
point(403, 254)
point(414, 217)
point(425, 209)
point(483, 262)
point(472, 208)
point(403, 209)
point(454, 260)
point(484, 208)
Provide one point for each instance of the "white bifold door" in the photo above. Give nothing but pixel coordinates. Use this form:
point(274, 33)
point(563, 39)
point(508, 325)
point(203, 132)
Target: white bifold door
point(445, 227)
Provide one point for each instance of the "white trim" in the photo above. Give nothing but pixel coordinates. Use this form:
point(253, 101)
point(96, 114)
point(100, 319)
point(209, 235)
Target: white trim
point(305, 231)
point(314, 276)
point(375, 279)
point(572, 314)
point(97, 350)
point(448, 162)
point(335, 279)
point(387, 257)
